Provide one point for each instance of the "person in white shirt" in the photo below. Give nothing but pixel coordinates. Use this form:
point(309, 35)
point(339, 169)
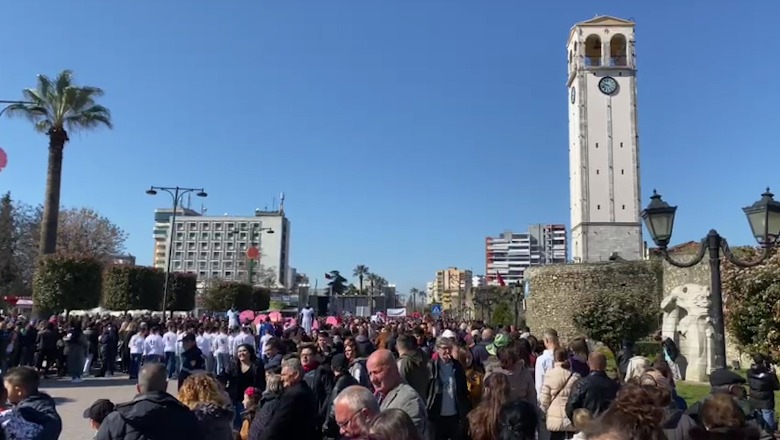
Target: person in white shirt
point(245, 337)
point(544, 363)
point(179, 348)
point(265, 338)
point(222, 350)
point(136, 352)
point(204, 344)
point(169, 344)
point(154, 347)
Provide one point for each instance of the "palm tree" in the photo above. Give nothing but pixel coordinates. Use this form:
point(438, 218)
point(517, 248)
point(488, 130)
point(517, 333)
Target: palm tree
point(413, 292)
point(361, 271)
point(54, 106)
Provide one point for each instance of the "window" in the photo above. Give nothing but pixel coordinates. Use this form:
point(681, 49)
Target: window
point(177, 254)
point(204, 236)
point(215, 274)
point(598, 206)
point(215, 255)
point(192, 236)
point(242, 236)
point(597, 172)
point(621, 171)
point(202, 274)
point(217, 246)
point(180, 236)
point(190, 255)
point(201, 264)
point(218, 226)
point(204, 244)
point(191, 245)
point(190, 265)
point(593, 50)
point(229, 255)
point(621, 145)
point(242, 245)
point(597, 144)
point(177, 264)
point(624, 207)
point(228, 264)
point(179, 245)
point(192, 226)
point(231, 245)
point(228, 274)
point(206, 227)
point(204, 255)
point(230, 226)
point(179, 226)
point(217, 236)
point(215, 264)
point(242, 226)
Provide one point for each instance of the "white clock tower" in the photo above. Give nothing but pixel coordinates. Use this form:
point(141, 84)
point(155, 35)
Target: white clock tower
point(603, 141)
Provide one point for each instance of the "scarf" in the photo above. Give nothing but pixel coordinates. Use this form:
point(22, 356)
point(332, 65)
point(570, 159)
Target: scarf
point(311, 366)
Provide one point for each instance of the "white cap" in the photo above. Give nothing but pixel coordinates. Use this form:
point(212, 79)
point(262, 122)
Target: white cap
point(448, 334)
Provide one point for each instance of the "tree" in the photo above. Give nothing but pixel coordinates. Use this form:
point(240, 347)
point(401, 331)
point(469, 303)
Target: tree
point(55, 107)
point(610, 317)
point(222, 295)
point(413, 294)
point(132, 288)
point(261, 298)
point(486, 298)
point(361, 271)
point(83, 231)
point(67, 283)
point(8, 268)
point(502, 315)
point(752, 301)
point(337, 283)
point(265, 276)
point(182, 289)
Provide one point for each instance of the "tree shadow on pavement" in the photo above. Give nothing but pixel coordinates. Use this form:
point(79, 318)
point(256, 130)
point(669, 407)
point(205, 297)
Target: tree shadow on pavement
point(87, 383)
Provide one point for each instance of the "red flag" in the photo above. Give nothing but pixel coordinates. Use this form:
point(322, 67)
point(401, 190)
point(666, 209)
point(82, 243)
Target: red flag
point(500, 280)
point(328, 276)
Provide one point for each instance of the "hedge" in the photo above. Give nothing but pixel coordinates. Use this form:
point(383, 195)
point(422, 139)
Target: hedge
point(182, 289)
point(261, 299)
point(132, 288)
point(222, 295)
point(66, 283)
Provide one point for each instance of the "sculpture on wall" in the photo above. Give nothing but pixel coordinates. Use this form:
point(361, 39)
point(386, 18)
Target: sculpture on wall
point(687, 322)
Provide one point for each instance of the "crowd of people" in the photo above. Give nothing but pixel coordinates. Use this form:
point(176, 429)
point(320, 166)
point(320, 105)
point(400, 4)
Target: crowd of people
point(406, 379)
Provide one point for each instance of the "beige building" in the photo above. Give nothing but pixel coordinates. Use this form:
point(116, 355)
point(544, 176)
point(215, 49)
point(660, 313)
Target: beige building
point(451, 288)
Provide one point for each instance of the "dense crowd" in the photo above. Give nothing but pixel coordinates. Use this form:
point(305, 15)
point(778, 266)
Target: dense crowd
point(406, 379)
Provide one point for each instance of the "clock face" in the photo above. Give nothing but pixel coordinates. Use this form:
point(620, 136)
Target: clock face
point(608, 85)
point(573, 95)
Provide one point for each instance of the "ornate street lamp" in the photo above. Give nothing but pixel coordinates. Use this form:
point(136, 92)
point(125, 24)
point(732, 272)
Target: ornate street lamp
point(764, 219)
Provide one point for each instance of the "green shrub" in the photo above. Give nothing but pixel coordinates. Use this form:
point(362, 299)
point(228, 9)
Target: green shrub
point(66, 283)
point(132, 288)
point(648, 349)
point(610, 317)
point(182, 288)
point(222, 295)
point(261, 298)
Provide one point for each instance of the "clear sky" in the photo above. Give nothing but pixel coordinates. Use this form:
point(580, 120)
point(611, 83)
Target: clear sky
point(403, 132)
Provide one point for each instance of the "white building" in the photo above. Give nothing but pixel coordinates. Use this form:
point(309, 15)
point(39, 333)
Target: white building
point(511, 253)
point(162, 219)
point(430, 293)
point(603, 141)
point(216, 247)
point(479, 281)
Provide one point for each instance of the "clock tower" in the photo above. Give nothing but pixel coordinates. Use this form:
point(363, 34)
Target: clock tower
point(603, 141)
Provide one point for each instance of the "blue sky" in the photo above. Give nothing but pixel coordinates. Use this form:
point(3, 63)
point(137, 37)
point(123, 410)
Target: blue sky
point(402, 132)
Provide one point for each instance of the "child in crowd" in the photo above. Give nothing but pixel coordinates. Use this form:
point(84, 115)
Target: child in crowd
point(97, 412)
point(581, 419)
point(251, 400)
point(33, 414)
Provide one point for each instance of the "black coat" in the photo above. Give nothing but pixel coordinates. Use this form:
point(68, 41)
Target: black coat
point(292, 418)
point(462, 401)
point(265, 411)
point(330, 428)
point(320, 382)
point(151, 416)
point(762, 384)
point(237, 382)
point(595, 392)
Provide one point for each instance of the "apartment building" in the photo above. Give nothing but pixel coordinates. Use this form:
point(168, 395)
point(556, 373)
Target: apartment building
point(451, 287)
point(510, 253)
point(162, 220)
point(216, 247)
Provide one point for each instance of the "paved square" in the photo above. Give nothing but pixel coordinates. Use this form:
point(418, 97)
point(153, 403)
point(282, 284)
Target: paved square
point(72, 399)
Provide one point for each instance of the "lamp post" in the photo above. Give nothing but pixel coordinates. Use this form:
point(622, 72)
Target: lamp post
point(10, 104)
point(517, 291)
point(251, 263)
point(176, 193)
point(764, 219)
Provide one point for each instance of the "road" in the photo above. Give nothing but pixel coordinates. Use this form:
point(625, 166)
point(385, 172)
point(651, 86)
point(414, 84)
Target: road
point(72, 399)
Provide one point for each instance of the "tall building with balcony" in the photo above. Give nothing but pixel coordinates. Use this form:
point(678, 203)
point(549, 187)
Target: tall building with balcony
point(451, 287)
point(214, 247)
point(162, 221)
point(511, 253)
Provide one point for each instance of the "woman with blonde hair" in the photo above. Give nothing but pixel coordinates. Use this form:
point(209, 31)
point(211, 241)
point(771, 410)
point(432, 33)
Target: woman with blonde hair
point(482, 422)
point(394, 424)
point(204, 395)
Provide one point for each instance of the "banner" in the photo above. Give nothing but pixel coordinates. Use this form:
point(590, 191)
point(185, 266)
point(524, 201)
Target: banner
point(396, 313)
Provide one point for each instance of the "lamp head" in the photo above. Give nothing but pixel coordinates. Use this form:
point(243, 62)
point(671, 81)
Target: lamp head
point(269, 231)
point(201, 193)
point(151, 192)
point(764, 219)
point(659, 219)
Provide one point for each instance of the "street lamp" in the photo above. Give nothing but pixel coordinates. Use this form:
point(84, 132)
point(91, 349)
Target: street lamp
point(764, 219)
point(11, 104)
point(176, 193)
point(517, 292)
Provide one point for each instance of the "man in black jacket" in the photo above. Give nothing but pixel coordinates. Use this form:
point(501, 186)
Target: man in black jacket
point(340, 366)
point(293, 417)
point(762, 381)
point(448, 395)
point(22, 383)
point(594, 392)
point(152, 414)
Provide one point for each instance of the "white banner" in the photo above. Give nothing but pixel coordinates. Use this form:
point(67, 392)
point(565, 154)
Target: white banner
point(396, 313)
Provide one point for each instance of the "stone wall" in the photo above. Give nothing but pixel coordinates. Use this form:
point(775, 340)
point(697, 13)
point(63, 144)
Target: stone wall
point(554, 289)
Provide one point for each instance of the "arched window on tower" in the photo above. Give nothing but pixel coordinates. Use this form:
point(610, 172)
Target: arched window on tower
point(618, 51)
point(593, 50)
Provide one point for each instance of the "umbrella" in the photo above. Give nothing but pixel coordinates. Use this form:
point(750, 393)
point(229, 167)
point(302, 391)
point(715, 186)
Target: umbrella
point(275, 317)
point(331, 320)
point(260, 318)
point(246, 316)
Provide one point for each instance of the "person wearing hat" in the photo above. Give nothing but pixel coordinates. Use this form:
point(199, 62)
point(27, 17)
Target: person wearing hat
point(192, 360)
point(340, 366)
point(501, 340)
point(726, 381)
point(98, 411)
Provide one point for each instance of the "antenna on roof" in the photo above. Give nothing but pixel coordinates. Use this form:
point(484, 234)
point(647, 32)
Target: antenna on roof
point(189, 201)
point(203, 209)
point(273, 203)
point(281, 203)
